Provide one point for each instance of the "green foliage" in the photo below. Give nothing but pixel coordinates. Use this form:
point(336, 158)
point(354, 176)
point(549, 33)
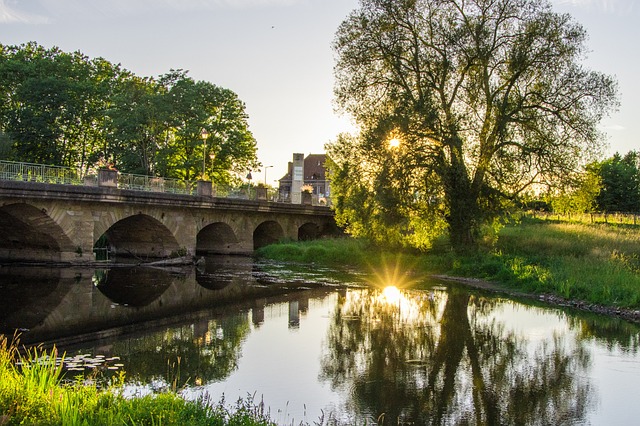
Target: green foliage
point(53, 103)
point(453, 82)
point(620, 178)
point(579, 194)
point(5, 147)
point(328, 251)
point(375, 196)
point(65, 109)
point(612, 185)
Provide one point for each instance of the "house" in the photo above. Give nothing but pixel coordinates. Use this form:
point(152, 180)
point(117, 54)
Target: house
point(309, 171)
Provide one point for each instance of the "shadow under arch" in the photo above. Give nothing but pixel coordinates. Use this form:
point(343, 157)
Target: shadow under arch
point(29, 295)
point(135, 287)
point(29, 234)
point(309, 231)
point(266, 233)
point(139, 236)
point(216, 238)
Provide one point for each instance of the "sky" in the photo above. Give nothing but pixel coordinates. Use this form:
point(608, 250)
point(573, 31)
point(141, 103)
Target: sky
point(276, 55)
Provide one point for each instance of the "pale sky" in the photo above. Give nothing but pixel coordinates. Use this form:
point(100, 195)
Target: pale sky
point(276, 55)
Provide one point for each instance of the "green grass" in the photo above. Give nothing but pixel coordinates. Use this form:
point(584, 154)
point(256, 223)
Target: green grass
point(32, 392)
point(597, 263)
point(333, 252)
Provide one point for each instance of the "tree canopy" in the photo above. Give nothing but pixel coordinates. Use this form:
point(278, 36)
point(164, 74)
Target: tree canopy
point(620, 183)
point(67, 109)
point(483, 99)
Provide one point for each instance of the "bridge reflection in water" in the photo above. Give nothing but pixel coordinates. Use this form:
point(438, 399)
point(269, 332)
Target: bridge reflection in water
point(69, 305)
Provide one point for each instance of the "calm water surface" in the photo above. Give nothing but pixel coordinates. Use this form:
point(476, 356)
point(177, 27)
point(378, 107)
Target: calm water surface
point(381, 346)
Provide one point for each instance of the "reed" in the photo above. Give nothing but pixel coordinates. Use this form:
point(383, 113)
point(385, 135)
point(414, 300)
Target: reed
point(32, 392)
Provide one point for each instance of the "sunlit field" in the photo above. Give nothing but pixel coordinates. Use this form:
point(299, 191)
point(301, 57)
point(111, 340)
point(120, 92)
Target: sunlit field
point(597, 263)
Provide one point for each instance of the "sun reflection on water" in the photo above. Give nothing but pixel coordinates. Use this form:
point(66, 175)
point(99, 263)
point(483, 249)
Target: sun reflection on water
point(391, 295)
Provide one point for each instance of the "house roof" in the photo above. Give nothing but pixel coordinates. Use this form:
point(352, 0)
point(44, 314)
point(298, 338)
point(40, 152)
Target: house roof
point(313, 168)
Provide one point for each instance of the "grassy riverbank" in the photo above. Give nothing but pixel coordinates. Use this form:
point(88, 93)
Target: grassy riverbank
point(595, 263)
point(34, 393)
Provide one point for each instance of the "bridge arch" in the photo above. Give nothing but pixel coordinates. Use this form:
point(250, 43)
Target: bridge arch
point(309, 231)
point(217, 238)
point(139, 236)
point(268, 232)
point(29, 233)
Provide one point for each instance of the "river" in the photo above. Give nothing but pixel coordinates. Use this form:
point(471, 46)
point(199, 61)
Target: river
point(316, 345)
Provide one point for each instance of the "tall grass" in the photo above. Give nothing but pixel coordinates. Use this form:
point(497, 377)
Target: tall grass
point(339, 251)
point(32, 392)
point(597, 263)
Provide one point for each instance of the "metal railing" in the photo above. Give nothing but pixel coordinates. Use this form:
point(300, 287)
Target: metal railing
point(29, 172)
point(155, 184)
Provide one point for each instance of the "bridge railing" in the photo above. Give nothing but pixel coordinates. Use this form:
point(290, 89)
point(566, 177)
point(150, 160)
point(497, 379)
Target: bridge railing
point(155, 184)
point(30, 172)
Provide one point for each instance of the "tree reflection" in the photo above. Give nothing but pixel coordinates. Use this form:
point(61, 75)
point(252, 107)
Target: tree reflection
point(438, 358)
point(189, 355)
point(613, 332)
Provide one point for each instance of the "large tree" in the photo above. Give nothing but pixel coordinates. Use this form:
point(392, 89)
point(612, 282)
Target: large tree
point(486, 98)
point(53, 103)
point(196, 106)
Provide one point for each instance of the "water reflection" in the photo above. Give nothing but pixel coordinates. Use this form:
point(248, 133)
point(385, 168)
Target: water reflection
point(64, 306)
point(440, 358)
point(186, 355)
point(419, 353)
point(610, 331)
point(29, 295)
point(134, 286)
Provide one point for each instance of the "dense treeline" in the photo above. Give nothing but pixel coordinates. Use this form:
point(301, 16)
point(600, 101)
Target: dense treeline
point(608, 186)
point(70, 110)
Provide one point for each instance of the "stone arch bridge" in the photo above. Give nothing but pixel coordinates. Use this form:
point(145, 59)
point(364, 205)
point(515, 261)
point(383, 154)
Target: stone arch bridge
point(62, 223)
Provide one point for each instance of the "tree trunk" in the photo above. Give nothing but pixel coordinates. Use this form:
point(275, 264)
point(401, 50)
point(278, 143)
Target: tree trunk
point(462, 221)
point(462, 202)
